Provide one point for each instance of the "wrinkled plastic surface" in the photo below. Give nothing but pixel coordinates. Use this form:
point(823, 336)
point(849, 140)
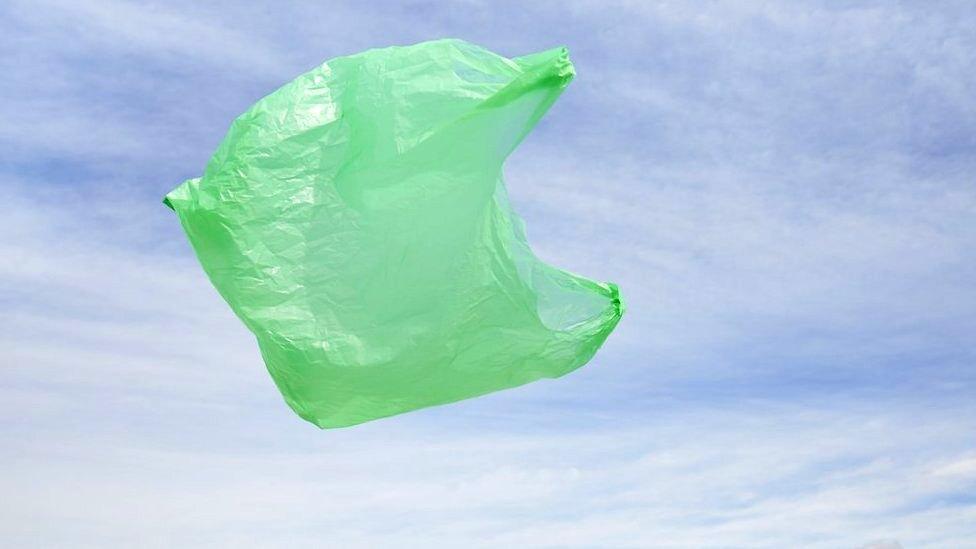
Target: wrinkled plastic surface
point(357, 222)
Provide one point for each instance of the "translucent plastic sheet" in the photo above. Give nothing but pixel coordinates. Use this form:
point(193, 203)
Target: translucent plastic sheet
point(357, 222)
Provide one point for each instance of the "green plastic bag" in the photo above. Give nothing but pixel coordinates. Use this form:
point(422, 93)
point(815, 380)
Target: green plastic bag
point(357, 222)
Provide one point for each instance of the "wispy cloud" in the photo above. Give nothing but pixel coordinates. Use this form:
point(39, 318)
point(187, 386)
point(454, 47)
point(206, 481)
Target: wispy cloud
point(761, 477)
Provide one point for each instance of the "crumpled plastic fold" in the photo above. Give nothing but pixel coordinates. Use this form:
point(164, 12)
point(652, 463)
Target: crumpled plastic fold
point(357, 222)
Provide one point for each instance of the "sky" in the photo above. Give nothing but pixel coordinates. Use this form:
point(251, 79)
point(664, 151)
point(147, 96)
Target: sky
point(784, 192)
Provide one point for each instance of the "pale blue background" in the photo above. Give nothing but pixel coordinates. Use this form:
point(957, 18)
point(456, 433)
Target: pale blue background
point(784, 191)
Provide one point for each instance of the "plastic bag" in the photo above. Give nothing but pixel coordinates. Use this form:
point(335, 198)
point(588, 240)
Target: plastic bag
point(357, 222)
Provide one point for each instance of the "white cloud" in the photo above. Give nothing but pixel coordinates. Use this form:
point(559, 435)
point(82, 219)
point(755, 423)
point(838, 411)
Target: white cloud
point(179, 33)
point(884, 544)
point(729, 479)
point(962, 469)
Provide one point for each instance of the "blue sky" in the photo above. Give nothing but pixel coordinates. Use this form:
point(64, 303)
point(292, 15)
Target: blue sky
point(784, 192)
